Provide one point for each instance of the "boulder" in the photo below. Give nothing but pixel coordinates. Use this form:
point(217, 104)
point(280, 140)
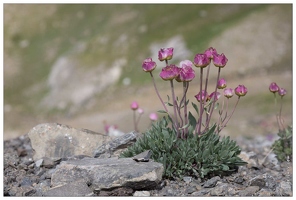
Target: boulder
point(55, 141)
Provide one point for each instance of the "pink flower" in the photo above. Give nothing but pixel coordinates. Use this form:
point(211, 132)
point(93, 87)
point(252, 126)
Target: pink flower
point(282, 92)
point(201, 60)
point(153, 117)
point(228, 92)
point(186, 73)
point(169, 72)
point(219, 60)
point(202, 96)
point(241, 90)
point(210, 52)
point(221, 84)
point(140, 111)
point(165, 54)
point(217, 96)
point(148, 65)
point(273, 87)
point(134, 105)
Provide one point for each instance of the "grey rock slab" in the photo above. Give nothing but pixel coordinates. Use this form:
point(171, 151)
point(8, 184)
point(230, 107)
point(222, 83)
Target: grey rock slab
point(284, 189)
point(249, 191)
point(55, 140)
point(219, 190)
point(212, 182)
point(109, 173)
point(75, 189)
point(142, 194)
point(110, 148)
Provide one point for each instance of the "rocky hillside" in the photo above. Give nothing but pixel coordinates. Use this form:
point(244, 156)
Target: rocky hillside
point(81, 64)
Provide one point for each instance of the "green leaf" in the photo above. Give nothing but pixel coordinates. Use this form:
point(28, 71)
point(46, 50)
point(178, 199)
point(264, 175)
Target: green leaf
point(195, 107)
point(192, 120)
point(185, 126)
point(162, 111)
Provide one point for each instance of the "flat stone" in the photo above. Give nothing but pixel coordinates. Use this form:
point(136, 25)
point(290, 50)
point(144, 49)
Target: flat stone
point(284, 189)
point(114, 146)
point(142, 194)
point(74, 189)
point(259, 181)
point(105, 174)
point(212, 182)
point(54, 140)
point(187, 179)
point(249, 191)
point(219, 190)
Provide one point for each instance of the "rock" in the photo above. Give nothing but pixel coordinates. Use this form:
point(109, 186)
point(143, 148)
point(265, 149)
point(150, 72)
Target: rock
point(212, 182)
point(249, 191)
point(219, 190)
point(122, 191)
point(49, 162)
point(54, 140)
point(257, 181)
point(284, 189)
point(190, 190)
point(202, 192)
point(39, 162)
point(105, 174)
point(42, 187)
point(142, 194)
point(74, 189)
point(114, 146)
point(266, 193)
point(187, 179)
point(250, 158)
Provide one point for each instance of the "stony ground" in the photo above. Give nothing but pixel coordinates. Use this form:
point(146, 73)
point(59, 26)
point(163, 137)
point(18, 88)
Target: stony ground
point(263, 176)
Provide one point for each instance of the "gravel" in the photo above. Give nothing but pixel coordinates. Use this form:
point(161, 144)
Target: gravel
point(23, 177)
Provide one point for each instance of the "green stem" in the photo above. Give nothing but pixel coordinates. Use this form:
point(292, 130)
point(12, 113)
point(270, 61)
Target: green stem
point(214, 101)
point(135, 123)
point(158, 93)
point(175, 108)
point(185, 88)
point(224, 124)
point(200, 103)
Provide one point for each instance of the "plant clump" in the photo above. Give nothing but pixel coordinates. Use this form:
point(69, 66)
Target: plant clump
point(282, 147)
point(189, 143)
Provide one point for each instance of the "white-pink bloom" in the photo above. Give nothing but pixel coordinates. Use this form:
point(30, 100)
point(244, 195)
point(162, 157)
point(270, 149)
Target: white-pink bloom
point(153, 117)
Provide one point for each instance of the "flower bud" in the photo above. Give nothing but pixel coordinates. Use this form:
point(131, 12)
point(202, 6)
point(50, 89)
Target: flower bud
point(201, 60)
point(165, 54)
point(140, 111)
point(217, 96)
point(153, 117)
point(228, 92)
point(134, 105)
point(210, 52)
point(241, 90)
point(169, 72)
point(148, 65)
point(221, 84)
point(202, 96)
point(219, 60)
point(186, 73)
point(273, 87)
point(282, 92)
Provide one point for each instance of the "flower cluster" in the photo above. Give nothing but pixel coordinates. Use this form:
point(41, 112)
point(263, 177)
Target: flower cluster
point(184, 73)
point(283, 146)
